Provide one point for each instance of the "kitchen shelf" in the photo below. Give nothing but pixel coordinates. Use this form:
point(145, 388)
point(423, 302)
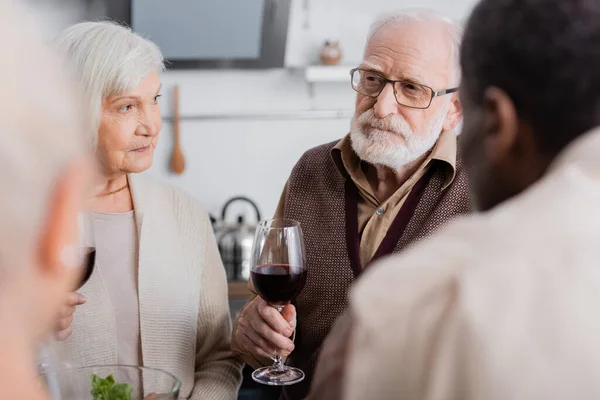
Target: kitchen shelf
point(269, 115)
point(312, 75)
point(323, 73)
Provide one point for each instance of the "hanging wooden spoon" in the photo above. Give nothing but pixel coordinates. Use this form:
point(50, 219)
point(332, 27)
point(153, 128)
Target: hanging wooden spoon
point(177, 159)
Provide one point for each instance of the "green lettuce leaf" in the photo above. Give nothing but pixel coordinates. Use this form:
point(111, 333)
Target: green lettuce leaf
point(108, 389)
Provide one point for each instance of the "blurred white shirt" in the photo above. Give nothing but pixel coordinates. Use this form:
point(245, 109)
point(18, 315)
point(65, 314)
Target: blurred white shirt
point(501, 305)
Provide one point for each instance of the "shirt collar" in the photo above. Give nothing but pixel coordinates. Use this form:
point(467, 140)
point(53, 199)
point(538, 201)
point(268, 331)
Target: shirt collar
point(348, 162)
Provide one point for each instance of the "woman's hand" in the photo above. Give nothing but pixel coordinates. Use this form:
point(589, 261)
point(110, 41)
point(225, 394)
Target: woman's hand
point(64, 327)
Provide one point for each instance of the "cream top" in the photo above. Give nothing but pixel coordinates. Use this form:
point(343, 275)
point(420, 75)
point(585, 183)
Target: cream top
point(115, 235)
point(184, 320)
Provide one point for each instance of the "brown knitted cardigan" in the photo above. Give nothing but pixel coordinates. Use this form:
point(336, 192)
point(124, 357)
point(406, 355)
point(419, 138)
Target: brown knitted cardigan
point(326, 204)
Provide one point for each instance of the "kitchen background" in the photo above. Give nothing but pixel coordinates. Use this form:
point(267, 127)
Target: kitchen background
point(253, 156)
point(242, 129)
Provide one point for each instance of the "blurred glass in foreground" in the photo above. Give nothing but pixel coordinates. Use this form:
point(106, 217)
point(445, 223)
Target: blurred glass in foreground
point(43, 169)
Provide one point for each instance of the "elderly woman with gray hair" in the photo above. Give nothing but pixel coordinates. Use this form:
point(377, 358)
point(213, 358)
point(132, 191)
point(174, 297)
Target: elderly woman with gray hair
point(158, 294)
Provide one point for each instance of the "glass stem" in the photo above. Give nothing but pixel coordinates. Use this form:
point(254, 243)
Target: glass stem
point(278, 364)
point(47, 368)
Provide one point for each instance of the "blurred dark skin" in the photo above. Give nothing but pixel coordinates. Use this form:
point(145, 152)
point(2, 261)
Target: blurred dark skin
point(500, 151)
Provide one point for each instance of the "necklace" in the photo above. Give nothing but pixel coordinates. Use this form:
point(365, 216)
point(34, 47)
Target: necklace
point(113, 192)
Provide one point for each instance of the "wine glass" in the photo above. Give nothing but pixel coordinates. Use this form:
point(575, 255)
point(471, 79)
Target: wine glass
point(47, 359)
point(87, 247)
point(278, 273)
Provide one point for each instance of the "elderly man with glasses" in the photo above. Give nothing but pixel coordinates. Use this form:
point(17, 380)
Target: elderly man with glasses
point(394, 179)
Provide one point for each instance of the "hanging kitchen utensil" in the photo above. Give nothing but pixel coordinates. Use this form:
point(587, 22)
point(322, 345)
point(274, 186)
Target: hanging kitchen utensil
point(235, 242)
point(177, 159)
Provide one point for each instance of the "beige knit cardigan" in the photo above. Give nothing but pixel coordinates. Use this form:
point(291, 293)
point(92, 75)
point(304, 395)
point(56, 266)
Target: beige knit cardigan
point(185, 323)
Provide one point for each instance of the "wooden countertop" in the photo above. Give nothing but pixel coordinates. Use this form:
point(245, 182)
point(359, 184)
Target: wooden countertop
point(239, 289)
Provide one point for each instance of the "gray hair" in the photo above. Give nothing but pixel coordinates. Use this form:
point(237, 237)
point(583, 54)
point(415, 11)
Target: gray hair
point(40, 133)
point(108, 59)
point(425, 16)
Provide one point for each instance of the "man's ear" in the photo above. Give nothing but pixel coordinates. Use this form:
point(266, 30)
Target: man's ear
point(59, 235)
point(454, 115)
point(500, 124)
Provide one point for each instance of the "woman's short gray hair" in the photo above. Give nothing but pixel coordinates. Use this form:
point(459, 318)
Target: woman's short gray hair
point(426, 16)
point(108, 59)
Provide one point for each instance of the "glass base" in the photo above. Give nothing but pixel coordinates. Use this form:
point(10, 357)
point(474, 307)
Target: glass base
point(273, 377)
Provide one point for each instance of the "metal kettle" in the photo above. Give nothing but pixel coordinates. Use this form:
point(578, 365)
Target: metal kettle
point(235, 242)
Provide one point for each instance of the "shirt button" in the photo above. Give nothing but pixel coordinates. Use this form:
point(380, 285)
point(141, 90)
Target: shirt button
point(380, 211)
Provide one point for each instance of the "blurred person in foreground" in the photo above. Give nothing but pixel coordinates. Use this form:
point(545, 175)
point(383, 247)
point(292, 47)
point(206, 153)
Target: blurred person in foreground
point(393, 180)
point(42, 173)
point(504, 304)
point(158, 294)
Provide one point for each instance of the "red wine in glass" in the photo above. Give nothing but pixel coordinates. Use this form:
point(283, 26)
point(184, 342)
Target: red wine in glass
point(89, 259)
point(278, 284)
point(87, 247)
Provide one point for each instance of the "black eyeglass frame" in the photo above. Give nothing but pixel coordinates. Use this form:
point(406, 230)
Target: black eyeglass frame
point(434, 93)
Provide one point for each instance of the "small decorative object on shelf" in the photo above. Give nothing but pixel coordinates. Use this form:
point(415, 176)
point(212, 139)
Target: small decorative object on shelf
point(331, 53)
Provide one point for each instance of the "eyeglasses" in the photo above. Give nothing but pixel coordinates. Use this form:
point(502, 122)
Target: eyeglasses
point(408, 94)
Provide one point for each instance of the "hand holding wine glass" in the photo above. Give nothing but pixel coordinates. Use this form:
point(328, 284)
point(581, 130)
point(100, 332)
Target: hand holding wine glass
point(63, 325)
point(87, 255)
point(262, 331)
point(278, 273)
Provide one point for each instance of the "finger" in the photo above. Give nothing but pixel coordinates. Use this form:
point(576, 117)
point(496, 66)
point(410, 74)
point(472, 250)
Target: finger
point(246, 345)
point(247, 340)
point(63, 335)
point(252, 343)
point(289, 314)
point(67, 311)
point(269, 349)
point(64, 323)
point(258, 341)
point(253, 313)
point(75, 299)
point(276, 339)
point(275, 320)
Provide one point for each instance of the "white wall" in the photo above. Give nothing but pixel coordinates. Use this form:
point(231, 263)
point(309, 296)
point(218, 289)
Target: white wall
point(311, 21)
point(250, 157)
point(254, 158)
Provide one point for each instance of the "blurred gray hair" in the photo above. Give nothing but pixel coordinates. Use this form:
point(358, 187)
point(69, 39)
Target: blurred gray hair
point(426, 16)
point(40, 133)
point(108, 59)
